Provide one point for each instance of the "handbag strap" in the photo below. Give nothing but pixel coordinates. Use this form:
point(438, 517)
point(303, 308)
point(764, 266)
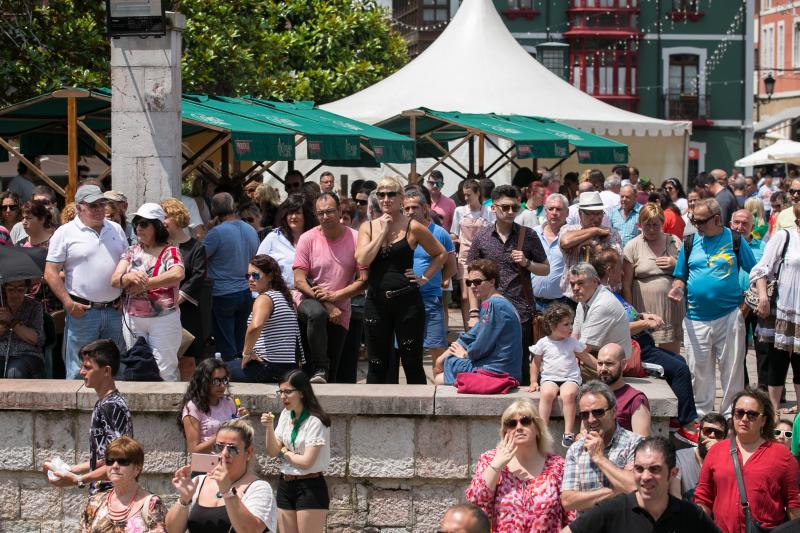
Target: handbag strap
point(783, 254)
point(740, 482)
point(524, 275)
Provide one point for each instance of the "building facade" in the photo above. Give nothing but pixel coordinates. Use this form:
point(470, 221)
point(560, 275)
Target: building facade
point(671, 59)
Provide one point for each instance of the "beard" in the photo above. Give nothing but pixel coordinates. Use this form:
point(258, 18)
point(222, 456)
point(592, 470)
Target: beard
point(610, 378)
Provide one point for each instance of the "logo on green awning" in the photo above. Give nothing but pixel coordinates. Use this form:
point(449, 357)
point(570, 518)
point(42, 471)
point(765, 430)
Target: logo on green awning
point(350, 149)
point(314, 147)
point(523, 149)
point(242, 147)
point(285, 150)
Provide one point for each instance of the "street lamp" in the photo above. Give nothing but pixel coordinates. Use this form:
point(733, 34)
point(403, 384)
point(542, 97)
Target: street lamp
point(135, 18)
point(769, 86)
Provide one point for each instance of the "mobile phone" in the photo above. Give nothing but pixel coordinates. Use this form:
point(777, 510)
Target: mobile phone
point(204, 462)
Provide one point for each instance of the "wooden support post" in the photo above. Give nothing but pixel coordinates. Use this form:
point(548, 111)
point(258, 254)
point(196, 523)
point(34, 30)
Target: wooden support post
point(225, 161)
point(480, 152)
point(33, 168)
point(72, 148)
point(207, 152)
point(95, 137)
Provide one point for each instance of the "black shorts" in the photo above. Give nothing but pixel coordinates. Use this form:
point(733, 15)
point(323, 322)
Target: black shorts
point(302, 494)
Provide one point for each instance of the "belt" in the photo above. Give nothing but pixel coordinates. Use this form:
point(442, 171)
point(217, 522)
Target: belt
point(94, 305)
point(289, 477)
point(400, 292)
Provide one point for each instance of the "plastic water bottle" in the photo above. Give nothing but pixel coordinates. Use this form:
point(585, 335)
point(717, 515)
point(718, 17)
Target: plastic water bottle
point(218, 356)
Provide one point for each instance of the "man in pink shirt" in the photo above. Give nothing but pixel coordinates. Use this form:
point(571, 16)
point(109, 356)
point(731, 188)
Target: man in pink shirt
point(441, 204)
point(326, 277)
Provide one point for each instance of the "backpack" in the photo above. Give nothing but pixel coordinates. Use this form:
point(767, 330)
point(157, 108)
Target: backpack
point(689, 243)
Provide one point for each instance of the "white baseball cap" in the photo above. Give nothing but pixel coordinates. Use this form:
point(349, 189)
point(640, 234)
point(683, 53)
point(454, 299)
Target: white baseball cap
point(151, 211)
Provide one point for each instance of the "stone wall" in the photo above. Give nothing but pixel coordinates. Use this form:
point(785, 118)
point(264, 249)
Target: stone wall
point(400, 454)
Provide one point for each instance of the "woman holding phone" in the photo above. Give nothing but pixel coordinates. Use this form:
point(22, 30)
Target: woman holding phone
point(230, 497)
point(302, 441)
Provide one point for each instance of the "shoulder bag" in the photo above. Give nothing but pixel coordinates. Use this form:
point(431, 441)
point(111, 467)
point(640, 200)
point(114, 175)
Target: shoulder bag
point(751, 294)
point(750, 524)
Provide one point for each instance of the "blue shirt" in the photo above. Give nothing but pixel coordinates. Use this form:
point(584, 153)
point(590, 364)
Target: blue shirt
point(493, 342)
point(422, 261)
point(757, 247)
point(229, 248)
point(549, 286)
point(713, 289)
point(628, 228)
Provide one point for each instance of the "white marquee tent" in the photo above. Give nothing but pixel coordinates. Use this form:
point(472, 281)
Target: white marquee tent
point(781, 151)
point(476, 66)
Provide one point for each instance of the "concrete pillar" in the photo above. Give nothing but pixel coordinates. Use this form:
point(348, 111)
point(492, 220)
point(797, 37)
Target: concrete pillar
point(146, 115)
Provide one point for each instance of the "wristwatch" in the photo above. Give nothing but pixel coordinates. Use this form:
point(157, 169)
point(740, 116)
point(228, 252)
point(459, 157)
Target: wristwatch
point(80, 484)
point(425, 278)
point(231, 493)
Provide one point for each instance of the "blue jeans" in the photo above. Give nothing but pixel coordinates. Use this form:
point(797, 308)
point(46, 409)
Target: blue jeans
point(677, 374)
point(230, 312)
point(78, 332)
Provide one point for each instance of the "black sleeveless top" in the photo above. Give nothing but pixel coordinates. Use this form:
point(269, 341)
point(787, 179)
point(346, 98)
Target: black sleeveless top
point(209, 519)
point(387, 270)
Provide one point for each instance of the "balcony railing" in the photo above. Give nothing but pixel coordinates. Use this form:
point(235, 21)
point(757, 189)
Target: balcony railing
point(603, 4)
point(687, 107)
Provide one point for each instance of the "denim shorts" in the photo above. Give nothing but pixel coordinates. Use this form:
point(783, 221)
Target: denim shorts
point(435, 330)
point(453, 366)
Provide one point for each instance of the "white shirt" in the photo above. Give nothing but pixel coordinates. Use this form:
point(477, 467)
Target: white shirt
point(18, 233)
point(603, 320)
point(574, 217)
point(194, 213)
point(312, 433)
point(88, 258)
point(558, 359)
point(277, 246)
point(610, 199)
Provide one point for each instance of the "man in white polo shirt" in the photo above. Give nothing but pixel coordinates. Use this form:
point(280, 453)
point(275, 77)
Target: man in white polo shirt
point(87, 249)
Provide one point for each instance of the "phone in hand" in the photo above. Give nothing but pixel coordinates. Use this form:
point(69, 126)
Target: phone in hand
point(204, 462)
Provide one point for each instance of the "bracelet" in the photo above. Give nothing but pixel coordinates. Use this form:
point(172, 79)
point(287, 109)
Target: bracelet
point(121, 277)
point(183, 503)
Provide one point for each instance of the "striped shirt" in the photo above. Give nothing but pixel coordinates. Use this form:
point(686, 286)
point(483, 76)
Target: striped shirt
point(279, 341)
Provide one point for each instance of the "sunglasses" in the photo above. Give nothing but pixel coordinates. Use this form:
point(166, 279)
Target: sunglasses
point(786, 433)
point(220, 381)
point(386, 194)
point(473, 282)
point(435, 183)
point(119, 460)
point(10, 207)
point(597, 413)
point(505, 208)
point(738, 414)
point(142, 223)
point(362, 202)
point(284, 392)
point(233, 450)
point(713, 433)
point(794, 191)
point(512, 423)
point(255, 276)
point(700, 221)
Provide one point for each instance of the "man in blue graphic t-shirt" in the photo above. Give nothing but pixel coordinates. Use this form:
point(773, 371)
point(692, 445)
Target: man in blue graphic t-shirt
point(713, 330)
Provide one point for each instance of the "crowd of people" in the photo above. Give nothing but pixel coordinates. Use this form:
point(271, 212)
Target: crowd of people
point(567, 288)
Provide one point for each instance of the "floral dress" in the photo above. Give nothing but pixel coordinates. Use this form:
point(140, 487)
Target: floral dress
point(519, 506)
point(95, 517)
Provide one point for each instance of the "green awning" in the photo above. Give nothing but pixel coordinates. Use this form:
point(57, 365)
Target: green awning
point(590, 148)
point(322, 141)
point(386, 146)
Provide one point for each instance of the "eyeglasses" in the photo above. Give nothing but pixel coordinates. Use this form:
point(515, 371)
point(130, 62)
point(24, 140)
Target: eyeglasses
point(794, 191)
point(700, 221)
point(326, 213)
point(233, 450)
point(597, 413)
point(284, 392)
point(512, 423)
point(475, 282)
point(43, 201)
point(713, 433)
point(435, 183)
point(362, 202)
point(220, 381)
point(786, 433)
point(119, 460)
point(386, 194)
point(738, 414)
point(12, 207)
point(505, 208)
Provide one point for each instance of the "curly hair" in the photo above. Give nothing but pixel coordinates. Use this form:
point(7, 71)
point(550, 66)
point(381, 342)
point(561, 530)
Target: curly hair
point(40, 210)
point(554, 314)
point(68, 213)
point(176, 211)
point(268, 265)
point(295, 202)
point(199, 384)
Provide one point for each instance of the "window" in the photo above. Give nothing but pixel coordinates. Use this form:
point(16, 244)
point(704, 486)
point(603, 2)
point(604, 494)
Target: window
point(685, 5)
point(796, 44)
point(683, 72)
point(436, 10)
point(767, 47)
point(520, 4)
point(779, 63)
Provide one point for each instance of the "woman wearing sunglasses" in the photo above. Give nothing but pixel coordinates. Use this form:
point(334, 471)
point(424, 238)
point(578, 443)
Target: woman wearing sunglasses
point(9, 216)
point(302, 441)
point(394, 305)
point(126, 506)
point(493, 342)
point(518, 484)
point(768, 468)
point(230, 497)
point(206, 405)
point(783, 432)
point(272, 344)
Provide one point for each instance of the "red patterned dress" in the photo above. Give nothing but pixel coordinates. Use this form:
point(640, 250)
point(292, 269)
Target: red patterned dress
point(518, 505)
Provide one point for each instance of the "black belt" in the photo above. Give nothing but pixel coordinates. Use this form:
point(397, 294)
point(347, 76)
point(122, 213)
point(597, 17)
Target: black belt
point(400, 292)
point(94, 305)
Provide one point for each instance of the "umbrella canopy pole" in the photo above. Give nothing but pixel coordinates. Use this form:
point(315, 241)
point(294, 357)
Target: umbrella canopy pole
point(412, 132)
point(72, 148)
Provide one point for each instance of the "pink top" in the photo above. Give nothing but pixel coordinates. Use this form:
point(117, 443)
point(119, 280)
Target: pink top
point(445, 207)
point(518, 505)
point(330, 264)
point(155, 302)
point(211, 421)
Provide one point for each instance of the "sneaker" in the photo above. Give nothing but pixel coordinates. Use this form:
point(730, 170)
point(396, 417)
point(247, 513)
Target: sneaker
point(320, 377)
point(567, 440)
point(674, 425)
point(687, 436)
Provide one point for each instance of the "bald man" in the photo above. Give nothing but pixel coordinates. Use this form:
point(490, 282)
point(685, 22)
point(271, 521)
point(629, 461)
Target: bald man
point(786, 218)
point(633, 409)
point(464, 518)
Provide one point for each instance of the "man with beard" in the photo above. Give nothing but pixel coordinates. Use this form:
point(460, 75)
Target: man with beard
point(650, 507)
point(713, 429)
point(633, 409)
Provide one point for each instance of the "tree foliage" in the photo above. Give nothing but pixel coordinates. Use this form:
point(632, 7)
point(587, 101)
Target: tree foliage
point(290, 49)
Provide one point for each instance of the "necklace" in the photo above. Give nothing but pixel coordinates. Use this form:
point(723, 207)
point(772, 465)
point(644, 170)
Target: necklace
point(120, 516)
point(714, 244)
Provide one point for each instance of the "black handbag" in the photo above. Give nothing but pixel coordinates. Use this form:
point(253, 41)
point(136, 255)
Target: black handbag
point(750, 524)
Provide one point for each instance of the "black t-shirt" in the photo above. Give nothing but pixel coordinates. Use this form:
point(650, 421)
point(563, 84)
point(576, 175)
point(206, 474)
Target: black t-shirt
point(727, 205)
point(623, 514)
point(111, 419)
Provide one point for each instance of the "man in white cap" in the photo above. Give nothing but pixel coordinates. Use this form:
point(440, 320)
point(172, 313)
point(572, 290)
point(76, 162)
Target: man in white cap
point(87, 249)
point(578, 241)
